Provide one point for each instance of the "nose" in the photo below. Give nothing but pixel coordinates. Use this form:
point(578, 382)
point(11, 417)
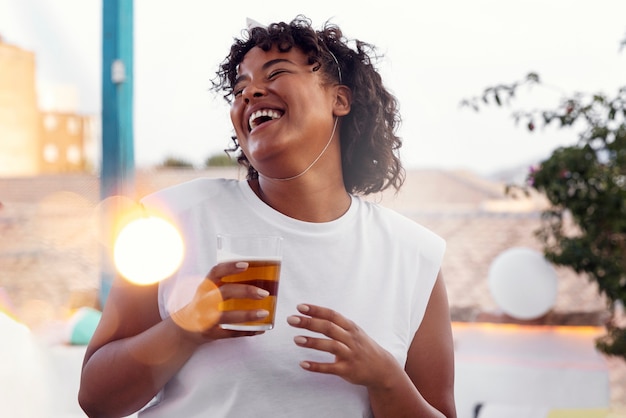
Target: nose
point(253, 90)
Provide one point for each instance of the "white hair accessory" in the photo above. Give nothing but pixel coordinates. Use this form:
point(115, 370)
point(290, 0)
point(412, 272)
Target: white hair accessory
point(251, 24)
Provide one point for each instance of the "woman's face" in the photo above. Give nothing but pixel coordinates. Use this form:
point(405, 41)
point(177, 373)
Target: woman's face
point(281, 111)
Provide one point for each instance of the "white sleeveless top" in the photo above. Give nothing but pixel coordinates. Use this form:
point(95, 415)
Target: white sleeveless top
point(372, 265)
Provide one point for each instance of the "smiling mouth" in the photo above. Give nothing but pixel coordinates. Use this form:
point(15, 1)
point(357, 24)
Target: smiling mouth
point(261, 116)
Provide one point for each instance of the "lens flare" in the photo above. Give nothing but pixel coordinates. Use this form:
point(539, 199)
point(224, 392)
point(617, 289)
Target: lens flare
point(147, 250)
point(204, 310)
point(111, 215)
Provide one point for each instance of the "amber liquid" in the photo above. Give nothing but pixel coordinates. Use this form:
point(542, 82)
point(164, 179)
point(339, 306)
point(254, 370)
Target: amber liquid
point(260, 273)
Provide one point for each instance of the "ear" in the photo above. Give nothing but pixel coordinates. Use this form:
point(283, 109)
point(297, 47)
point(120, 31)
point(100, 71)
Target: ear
point(343, 100)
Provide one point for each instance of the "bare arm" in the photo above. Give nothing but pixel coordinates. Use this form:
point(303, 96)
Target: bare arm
point(134, 353)
point(428, 383)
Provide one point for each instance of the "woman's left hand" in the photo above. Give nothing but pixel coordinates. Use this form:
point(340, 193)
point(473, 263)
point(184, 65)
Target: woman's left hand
point(358, 358)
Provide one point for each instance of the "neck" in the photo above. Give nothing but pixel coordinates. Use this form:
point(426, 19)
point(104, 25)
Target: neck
point(303, 172)
point(321, 203)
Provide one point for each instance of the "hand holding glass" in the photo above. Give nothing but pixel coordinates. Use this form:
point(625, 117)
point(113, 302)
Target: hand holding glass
point(263, 253)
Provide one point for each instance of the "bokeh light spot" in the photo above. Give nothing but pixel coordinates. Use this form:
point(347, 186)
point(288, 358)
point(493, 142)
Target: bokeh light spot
point(111, 215)
point(147, 250)
point(203, 312)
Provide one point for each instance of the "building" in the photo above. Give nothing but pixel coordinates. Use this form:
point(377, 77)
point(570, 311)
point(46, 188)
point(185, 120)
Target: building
point(33, 140)
point(61, 146)
point(19, 113)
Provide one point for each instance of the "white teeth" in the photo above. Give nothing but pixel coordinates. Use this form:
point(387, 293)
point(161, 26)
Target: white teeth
point(268, 113)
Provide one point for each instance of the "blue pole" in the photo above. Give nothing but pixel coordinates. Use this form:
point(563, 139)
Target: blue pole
point(117, 170)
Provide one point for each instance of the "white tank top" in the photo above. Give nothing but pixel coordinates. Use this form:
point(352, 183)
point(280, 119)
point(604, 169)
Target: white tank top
point(372, 265)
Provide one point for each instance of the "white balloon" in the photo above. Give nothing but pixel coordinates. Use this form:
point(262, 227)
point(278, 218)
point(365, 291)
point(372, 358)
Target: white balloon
point(523, 283)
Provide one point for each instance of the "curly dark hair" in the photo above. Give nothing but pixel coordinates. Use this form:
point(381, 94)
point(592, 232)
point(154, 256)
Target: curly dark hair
point(369, 144)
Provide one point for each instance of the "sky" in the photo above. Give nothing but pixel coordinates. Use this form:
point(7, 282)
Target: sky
point(435, 54)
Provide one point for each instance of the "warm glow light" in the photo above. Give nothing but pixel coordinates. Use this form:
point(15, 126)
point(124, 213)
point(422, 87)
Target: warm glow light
point(147, 250)
point(592, 330)
point(111, 215)
point(204, 311)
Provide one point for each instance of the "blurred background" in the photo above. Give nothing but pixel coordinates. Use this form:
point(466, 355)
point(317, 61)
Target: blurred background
point(434, 55)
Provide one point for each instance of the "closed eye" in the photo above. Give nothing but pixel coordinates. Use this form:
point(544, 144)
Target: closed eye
point(237, 91)
point(275, 73)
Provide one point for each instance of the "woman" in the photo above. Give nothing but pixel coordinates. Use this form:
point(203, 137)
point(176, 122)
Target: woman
point(365, 328)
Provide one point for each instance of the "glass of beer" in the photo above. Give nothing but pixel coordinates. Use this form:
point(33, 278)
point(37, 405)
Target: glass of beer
point(263, 253)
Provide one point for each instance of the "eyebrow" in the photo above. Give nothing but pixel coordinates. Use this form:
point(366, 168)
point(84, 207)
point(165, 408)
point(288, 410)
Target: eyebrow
point(265, 66)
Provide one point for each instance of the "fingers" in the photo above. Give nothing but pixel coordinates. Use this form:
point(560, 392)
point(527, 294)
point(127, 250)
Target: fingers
point(236, 317)
point(230, 291)
point(327, 322)
point(241, 302)
point(336, 348)
point(329, 345)
point(326, 314)
point(233, 290)
point(242, 291)
point(226, 269)
point(325, 368)
point(322, 320)
point(357, 358)
point(205, 315)
point(208, 308)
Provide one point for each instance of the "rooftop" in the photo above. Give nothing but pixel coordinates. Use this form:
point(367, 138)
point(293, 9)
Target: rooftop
point(45, 219)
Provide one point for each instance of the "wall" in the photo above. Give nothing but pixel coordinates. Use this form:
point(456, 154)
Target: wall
point(35, 141)
point(19, 115)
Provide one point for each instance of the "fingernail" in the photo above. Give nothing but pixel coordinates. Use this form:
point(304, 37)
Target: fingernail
point(303, 308)
point(299, 339)
point(263, 293)
point(305, 365)
point(241, 265)
point(262, 313)
point(293, 320)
